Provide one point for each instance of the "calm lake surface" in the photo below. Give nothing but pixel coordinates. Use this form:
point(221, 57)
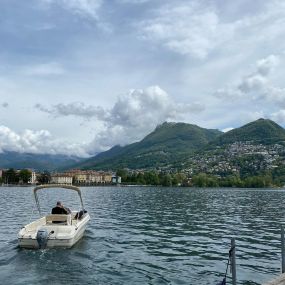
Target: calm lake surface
point(141, 235)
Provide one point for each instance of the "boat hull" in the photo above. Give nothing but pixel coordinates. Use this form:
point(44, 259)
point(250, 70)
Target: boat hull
point(65, 236)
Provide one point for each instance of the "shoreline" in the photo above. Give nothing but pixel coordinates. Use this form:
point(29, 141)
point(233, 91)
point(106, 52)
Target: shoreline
point(151, 186)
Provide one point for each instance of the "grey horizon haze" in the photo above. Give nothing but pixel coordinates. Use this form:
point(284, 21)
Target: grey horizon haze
point(80, 76)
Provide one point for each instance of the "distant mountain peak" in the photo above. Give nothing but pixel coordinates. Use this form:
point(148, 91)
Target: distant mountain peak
point(163, 145)
point(169, 144)
point(260, 131)
point(11, 159)
point(165, 124)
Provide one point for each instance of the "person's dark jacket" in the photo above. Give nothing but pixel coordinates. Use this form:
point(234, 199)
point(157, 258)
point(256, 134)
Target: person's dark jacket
point(59, 210)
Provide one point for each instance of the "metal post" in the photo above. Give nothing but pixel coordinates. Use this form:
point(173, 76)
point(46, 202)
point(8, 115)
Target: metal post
point(282, 249)
point(233, 261)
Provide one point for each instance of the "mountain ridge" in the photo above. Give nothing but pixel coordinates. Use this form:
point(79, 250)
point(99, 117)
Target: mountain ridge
point(261, 130)
point(171, 142)
point(166, 143)
point(50, 162)
point(157, 148)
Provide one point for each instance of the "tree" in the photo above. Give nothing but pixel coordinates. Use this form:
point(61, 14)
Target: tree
point(278, 175)
point(131, 178)
point(10, 176)
point(140, 179)
point(204, 180)
point(25, 175)
point(123, 174)
point(175, 180)
point(166, 180)
point(178, 179)
point(200, 180)
point(212, 182)
point(44, 178)
point(231, 181)
point(151, 178)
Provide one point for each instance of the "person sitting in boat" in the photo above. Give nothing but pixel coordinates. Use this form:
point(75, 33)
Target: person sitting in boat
point(80, 214)
point(60, 210)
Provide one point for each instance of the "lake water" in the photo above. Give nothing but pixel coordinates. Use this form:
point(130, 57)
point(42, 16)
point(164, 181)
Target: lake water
point(141, 235)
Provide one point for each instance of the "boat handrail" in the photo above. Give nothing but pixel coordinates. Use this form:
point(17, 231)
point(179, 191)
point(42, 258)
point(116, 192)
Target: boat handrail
point(47, 186)
point(66, 186)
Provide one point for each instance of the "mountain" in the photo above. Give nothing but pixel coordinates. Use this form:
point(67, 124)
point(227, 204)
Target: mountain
point(262, 131)
point(167, 143)
point(172, 145)
point(255, 149)
point(36, 161)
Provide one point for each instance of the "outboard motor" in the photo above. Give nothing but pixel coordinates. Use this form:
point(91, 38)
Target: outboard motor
point(42, 238)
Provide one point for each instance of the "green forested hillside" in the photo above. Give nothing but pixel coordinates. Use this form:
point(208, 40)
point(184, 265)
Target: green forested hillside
point(169, 142)
point(180, 145)
point(248, 150)
point(261, 131)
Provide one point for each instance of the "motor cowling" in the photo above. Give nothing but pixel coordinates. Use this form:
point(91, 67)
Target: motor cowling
point(42, 238)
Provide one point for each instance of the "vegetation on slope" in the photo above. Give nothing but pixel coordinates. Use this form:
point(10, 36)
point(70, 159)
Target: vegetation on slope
point(260, 131)
point(168, 143)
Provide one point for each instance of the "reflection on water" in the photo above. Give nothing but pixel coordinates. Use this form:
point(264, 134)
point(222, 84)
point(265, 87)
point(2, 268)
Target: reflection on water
point(149, 236)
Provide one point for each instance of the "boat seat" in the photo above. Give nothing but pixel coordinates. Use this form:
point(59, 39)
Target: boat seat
point(60, 219)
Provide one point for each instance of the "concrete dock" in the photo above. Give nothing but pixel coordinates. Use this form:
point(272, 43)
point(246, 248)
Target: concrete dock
point(280, 280)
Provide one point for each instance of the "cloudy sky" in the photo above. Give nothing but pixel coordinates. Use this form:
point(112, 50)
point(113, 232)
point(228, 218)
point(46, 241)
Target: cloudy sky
point(80, 76)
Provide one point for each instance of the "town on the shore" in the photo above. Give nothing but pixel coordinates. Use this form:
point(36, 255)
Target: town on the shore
point(240, 164)
point(71, 177)
point(24, 177)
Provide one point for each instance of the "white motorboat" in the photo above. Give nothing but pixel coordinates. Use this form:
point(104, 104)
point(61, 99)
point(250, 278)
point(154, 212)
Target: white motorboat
point(54, 230)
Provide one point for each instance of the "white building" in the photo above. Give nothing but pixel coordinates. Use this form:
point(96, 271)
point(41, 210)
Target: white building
point(61, 179)
point(33, 179)
point(116, 179)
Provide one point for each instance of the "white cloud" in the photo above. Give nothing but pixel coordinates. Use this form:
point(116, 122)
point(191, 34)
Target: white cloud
point(137, 113)
point(227, 129)
point(77, 109)
point(229, 36)
point(37, 142)
point(184, 28)
point(266, 65)
point(256, 85)
point(153, 104)
point(252, 116)
point(228, 92)
point(45, 69)
point(133, 115)
point(81, 7)
point(198, 28)
point(279, 116)
point(133, 1)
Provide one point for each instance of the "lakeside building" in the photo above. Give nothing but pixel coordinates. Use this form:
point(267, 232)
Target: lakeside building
point(61, 178)
point(116, 179)
point(75, 176)
point(90, 177)
point(33, 178)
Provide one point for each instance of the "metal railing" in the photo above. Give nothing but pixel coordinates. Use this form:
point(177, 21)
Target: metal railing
point(232, 256)
point(282, 249)
point(233, 261)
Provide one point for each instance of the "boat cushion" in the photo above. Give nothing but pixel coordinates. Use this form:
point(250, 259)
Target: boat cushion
point(66, 219)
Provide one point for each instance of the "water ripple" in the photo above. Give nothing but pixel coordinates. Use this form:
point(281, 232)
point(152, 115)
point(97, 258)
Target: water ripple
point(149, 236)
